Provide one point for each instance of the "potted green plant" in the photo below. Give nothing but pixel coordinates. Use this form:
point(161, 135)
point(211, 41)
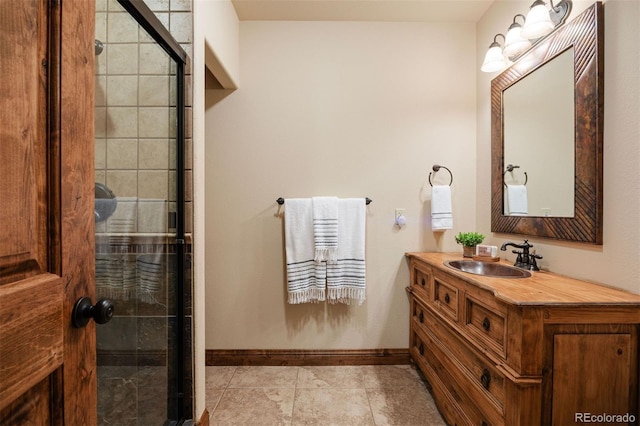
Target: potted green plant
point(469, 241)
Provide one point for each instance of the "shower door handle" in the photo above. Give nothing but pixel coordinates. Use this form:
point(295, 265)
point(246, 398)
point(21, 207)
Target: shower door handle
point(83, 311)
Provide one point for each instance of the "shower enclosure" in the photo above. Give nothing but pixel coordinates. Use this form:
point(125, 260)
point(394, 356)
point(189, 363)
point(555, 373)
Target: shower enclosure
point(142, 251)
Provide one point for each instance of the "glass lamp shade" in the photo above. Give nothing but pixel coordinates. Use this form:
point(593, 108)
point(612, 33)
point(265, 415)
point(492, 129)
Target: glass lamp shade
point(493, 60)
point(515, 44)
point(538, 22)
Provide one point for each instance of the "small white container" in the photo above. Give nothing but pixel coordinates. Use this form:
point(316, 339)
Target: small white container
point(483, 250)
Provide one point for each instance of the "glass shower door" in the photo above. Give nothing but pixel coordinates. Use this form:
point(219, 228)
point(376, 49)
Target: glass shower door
point(140, 244)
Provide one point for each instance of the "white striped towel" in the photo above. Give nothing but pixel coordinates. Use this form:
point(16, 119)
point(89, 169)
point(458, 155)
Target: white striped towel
point(305, 278)
point(346, 278)
point(325, 228)
point(441, 216)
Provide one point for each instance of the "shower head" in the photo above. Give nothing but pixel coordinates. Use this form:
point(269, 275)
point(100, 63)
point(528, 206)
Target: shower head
point(99, 47)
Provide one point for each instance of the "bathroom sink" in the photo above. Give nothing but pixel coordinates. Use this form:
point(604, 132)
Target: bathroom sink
point(487, 269)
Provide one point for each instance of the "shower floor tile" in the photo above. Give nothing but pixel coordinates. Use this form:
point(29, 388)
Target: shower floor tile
point(327, 395)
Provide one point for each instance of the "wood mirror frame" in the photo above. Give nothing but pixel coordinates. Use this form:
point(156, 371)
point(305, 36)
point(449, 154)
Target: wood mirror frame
point(586, 34)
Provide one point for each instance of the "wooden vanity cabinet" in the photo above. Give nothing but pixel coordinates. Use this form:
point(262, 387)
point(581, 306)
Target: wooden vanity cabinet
point(539, 350)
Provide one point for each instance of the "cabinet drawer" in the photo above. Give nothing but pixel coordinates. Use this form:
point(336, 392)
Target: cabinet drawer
point(489, 324)
point(486, 384)
point(446, 298)
point(421, 281)
point(417, 311)
point(440, 367)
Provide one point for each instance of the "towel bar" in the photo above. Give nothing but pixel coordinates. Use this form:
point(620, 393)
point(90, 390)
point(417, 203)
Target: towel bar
point(281, 200)
point(437, 167)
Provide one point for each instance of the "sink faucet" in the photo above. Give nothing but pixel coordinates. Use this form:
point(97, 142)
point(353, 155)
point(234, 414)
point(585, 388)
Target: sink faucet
point(525, 259)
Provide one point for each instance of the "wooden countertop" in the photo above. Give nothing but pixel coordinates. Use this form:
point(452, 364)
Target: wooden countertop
point(541, 288)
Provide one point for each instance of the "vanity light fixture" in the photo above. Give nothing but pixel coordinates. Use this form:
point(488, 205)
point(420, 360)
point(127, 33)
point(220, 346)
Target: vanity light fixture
point(539, 22)
point(494, 60)
point(514, 43)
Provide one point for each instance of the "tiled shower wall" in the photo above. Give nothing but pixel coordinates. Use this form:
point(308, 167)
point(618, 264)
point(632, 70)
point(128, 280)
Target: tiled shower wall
point(135, 122)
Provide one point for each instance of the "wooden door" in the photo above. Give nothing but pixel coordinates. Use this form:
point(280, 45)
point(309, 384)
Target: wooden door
point(47, 366)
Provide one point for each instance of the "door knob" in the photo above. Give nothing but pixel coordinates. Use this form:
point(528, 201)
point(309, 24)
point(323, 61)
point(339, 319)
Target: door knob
point(83, 311)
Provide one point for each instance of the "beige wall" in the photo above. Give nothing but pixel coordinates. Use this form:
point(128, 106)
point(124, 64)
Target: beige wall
point(333, 108)
point(616, 261)
point(220, 30)
point(215, 45)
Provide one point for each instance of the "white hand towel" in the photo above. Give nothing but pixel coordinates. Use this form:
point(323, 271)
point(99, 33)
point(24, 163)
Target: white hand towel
point(346, 278)
point(517, 200)
point(325, 228)
point(305, 279)
point(441, 212)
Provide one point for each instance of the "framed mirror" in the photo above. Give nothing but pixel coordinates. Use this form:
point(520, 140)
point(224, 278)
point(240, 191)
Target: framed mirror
point(558, 141)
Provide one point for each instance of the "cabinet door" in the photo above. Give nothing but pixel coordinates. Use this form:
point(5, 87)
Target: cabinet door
point(592, 375)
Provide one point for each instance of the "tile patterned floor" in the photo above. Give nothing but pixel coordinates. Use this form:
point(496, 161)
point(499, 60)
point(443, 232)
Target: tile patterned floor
point(371, 395)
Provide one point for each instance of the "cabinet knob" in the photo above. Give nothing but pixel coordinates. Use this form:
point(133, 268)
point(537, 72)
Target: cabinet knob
point(421, 349)
point(446, 298)
point(485, 379)
point(423, 282)
point(421, 316)
point(486, 323)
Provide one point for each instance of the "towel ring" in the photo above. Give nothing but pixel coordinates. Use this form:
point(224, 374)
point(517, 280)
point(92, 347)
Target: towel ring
point(510, 168)
point(437, 167)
